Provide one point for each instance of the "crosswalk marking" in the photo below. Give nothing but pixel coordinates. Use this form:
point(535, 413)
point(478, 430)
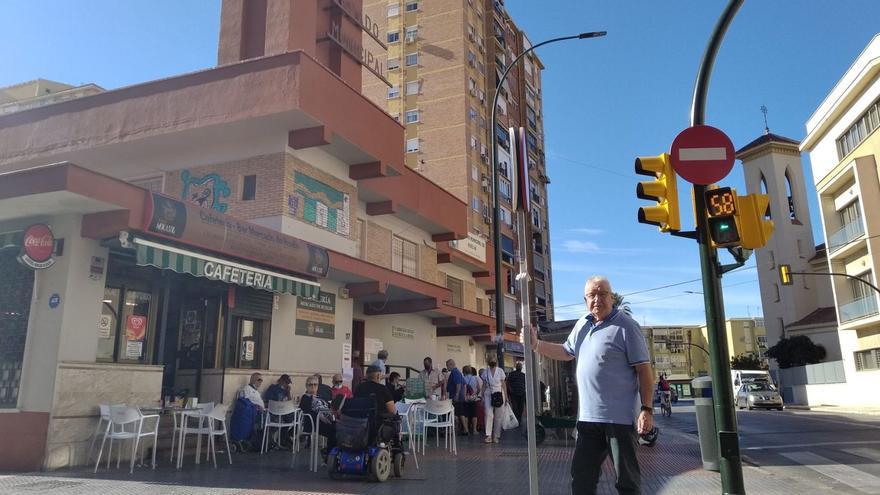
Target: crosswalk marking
point(850, 476)
point(872, 454)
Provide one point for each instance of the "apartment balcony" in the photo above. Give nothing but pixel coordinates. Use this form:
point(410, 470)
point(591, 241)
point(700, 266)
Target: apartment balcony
point(858, 309)
point(845, 235)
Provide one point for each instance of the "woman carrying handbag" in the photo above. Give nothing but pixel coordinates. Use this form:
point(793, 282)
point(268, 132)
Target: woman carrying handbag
point(494, 398)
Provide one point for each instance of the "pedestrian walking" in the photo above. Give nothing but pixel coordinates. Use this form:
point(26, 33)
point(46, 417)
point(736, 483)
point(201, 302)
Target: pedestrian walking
point(494, 398)
point(613, 370)
point(516, 390)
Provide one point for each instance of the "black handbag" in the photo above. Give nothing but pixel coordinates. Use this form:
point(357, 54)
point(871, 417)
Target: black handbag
point(497, 399)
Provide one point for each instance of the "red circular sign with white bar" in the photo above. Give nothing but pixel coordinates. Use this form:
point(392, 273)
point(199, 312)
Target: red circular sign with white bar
point(702, 155)
point(38, 242)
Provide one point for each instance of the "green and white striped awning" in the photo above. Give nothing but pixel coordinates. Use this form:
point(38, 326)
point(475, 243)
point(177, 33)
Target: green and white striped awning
point(166, 257)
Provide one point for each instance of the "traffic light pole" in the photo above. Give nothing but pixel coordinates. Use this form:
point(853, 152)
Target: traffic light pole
point(730, 463)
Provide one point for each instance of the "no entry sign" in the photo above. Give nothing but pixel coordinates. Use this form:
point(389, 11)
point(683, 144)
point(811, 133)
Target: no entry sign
point(702, 155)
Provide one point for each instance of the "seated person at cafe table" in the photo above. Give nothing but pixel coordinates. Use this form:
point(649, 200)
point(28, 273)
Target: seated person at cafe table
point(396, 388)
point(339, 388)
point(312, 404)
point(280, 390)
point(251, 391)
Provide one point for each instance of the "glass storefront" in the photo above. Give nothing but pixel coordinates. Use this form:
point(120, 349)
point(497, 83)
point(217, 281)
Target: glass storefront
point(187, 324)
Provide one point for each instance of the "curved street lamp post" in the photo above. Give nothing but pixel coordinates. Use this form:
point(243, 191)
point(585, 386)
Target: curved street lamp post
point(499, 295)
point(496, 221)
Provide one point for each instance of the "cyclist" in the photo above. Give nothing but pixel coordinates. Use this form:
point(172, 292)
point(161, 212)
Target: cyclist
point(665, 395)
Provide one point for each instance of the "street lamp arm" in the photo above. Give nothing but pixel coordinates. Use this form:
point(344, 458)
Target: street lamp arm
point(851, 277)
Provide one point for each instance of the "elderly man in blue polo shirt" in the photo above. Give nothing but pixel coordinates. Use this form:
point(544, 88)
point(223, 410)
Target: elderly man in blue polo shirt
point(613, 372)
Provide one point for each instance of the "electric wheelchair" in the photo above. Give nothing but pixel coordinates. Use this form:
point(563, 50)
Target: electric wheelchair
point(367, 442)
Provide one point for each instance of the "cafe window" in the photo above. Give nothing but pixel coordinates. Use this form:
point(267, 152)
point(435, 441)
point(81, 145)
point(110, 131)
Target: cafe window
point(127, 316)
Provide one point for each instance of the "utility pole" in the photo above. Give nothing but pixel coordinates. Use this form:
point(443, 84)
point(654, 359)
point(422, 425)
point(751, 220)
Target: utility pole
point(730, 463)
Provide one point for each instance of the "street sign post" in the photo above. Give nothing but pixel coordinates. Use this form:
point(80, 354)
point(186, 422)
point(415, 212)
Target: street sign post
point(702, 155)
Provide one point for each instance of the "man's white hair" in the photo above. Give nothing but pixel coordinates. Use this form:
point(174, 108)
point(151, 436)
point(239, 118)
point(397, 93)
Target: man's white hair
point(598, 279)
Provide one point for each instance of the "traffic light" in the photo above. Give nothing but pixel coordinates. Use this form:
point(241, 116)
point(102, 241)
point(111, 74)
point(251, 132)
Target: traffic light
point(785, 274)
point(755, 229)
point(721, 210)
point(663, 190)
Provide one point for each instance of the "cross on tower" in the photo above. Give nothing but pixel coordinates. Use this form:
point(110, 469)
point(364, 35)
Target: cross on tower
point(766, 127)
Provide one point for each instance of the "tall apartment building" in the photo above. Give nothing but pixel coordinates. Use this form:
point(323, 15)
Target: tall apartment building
point(844, 145)
point(444, 59)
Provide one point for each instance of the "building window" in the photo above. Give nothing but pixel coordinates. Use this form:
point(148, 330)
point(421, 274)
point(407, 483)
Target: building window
point(455, 288)
point(393, 37)
point(124, 334)
point(857, 133)
point(412, 6)
point(152, 184)
point(506, 249)
point(412, 59)
point(536, 218)
point(506, 217)
point(503, 136)
point(393, 10)
point(504, 188)
point(532, 142)
point(861, 290)
point(511, 281)
point(475, 203)
point(360, 241)
point(412, 116)
point(393, 92)
point(249, 188)
point(404, 256)
point(413, 87)
point(393, 63)
point(475, 173)
point(412, 145)
point(867, 360)
point(412, 33)
point(472, 113)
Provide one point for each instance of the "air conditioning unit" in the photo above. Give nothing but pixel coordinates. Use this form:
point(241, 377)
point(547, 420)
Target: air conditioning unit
point(471, 36)
point(486, 184)
point(487, 219)
point(410, 38)
point(473, 91)
point(482, 97)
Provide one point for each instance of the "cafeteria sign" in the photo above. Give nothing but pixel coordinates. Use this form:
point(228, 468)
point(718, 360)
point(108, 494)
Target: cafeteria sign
point(317, 318)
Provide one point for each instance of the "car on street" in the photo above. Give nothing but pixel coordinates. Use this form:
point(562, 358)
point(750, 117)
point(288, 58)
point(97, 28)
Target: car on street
point(759, 394)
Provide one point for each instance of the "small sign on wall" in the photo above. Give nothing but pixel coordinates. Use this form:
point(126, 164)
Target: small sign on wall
point(105, 323)
point(403, 333)
point(96, 268)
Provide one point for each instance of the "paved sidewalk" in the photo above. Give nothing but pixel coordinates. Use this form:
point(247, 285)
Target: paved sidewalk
point(671, 467)
point(869, 411)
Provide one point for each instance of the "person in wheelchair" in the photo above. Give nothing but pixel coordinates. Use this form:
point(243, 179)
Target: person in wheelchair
point(368, 432)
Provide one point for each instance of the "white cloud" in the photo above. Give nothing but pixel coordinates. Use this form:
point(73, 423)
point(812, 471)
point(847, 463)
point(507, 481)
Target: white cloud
point(587, 231)
point(573, 246)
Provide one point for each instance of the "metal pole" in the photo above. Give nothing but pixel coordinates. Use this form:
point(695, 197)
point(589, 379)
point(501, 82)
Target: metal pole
point(496, 219)
point(525, 313)
point(730, 463)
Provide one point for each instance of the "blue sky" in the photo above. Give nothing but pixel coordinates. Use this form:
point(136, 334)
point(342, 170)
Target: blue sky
point(606, 101)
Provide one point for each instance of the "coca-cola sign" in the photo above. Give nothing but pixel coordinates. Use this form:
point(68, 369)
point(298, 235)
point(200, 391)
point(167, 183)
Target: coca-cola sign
point(37, 246)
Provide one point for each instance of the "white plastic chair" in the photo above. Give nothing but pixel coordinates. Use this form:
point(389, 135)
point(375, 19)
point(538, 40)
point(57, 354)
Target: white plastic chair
point(216, 424)
point(274, 418)
point(407, 426)
point(101, 426)
point(202, 428)
point(440, 415)
point(178, 424)
point(127, 423)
